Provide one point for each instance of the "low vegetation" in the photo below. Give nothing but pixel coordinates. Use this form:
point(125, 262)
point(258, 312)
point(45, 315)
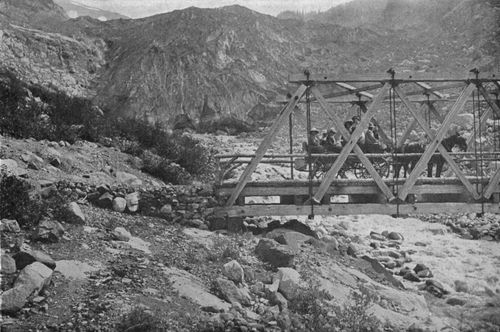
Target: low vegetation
point(19, 201)
point(320, 312)
point(31, 111)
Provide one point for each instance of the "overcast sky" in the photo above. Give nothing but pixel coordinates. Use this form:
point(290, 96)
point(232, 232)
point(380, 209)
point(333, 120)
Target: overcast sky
point(142, 8)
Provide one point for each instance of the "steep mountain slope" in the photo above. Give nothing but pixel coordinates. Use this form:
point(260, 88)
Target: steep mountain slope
point(32, 48)
point(168, 63)
point(467, 31)
point(30, 13)
point(234, 61)
point(76, 9)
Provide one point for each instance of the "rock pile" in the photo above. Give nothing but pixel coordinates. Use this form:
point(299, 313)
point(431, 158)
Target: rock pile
point(35, 272)
point(471, 226)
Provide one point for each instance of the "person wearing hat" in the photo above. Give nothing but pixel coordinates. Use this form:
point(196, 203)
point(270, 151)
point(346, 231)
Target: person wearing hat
point(370, 135)
point(372, 143)
point(355, 121)
point(315, 141)
point(330, 143)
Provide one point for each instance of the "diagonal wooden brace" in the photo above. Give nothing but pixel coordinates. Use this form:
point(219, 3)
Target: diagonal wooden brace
point(357, 150)
point(436, 141)
point(381, 131)
point(492, 185)
point(351, 142)
point(413, 123)
point(266, 143)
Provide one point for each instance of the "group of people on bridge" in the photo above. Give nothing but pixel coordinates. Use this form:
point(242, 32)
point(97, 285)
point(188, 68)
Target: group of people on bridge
point(330, 142)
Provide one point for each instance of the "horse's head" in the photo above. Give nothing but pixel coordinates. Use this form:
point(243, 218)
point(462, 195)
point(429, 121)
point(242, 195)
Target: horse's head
point(461, 143)
point(456, 141)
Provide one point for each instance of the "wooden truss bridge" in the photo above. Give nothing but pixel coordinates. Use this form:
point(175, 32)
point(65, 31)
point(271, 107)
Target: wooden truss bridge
point(472, 189)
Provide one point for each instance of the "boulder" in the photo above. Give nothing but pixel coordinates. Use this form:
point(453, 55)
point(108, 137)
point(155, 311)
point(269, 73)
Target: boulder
point(32, 279)
point(233, 271)
point(192, 288)
point(377, 267)
point(276, 254)
point(105, 200)
point(278, 299)
point(132, 201)
point(119, 204)
point(10, 167)
point(166, 210)
point(425, 274)
point(299, 227)
point(353, 249)
point(411, 276)
point(36, 274)
point(377, 236)
point(289, 282)
point(14, 299)
point(55, 161)
point(291, 238)
point(128, 179)
point(48, 231)
point(121, 234)
point(102, 188)
point(395, 236)
point(9, 225)
point(435, 288)
point(74, 214)
point(27, 256)
point(232, 293)
point(8, 265)
point(420, 267)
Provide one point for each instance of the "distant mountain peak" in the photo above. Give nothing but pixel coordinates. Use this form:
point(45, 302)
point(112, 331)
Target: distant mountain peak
point(76, 9)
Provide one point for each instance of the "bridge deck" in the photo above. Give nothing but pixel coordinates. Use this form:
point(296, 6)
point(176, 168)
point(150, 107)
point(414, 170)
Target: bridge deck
point(361, 196)
point(351, 186)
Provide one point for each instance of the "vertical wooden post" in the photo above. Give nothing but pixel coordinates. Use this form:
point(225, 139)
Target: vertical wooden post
point(290, 124)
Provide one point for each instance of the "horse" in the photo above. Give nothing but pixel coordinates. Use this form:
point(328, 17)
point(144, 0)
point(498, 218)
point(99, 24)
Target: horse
point(449, 143)
point(408, 162)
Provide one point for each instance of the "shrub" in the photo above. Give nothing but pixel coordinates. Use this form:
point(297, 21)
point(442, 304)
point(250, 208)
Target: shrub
point(164, 168)
point(17, 203)
point(314, 307)
point(354, 316)
point(223, 248)
point(139, 320)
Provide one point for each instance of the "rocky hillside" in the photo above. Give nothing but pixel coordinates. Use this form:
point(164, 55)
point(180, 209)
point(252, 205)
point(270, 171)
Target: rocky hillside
point(229, 59)
point(117, 250)
point(234, 61)
point(31, 47)
point(466, 31)
point(33, 13)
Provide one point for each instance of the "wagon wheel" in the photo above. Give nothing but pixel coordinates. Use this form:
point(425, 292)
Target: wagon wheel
point(383, 167)
point(360, 172)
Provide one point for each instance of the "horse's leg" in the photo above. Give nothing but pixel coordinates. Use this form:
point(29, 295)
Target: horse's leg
point(430, 165)
point(439, 168)
point(397, 168)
